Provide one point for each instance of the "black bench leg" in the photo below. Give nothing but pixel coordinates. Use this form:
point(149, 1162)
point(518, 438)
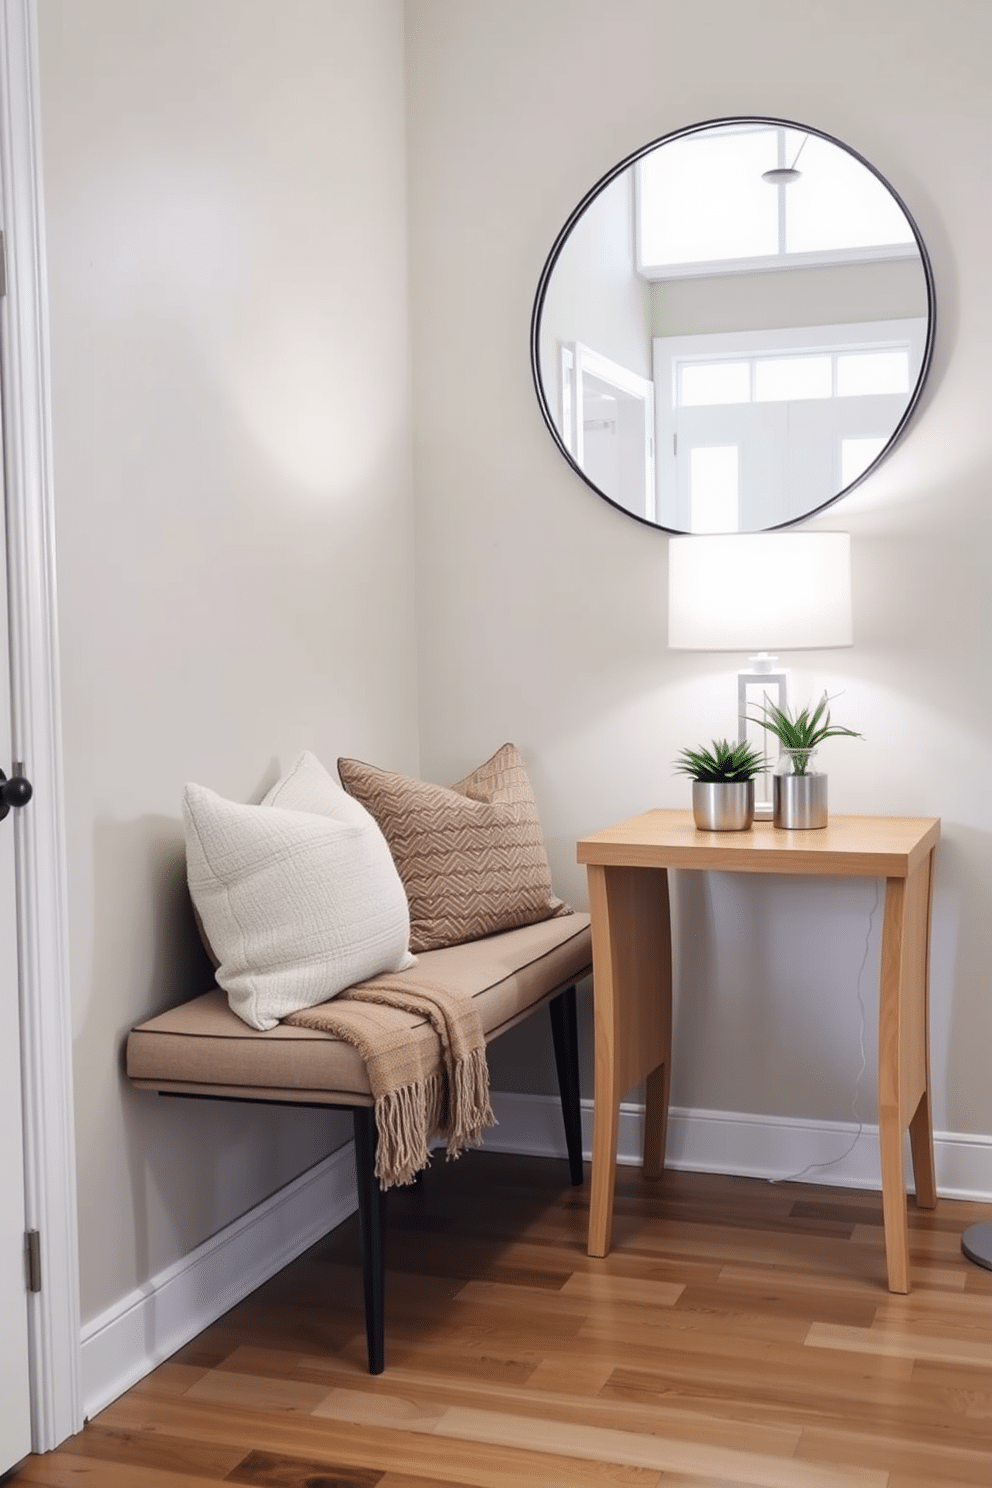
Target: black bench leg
point(370, 1227)
point(565, 1032)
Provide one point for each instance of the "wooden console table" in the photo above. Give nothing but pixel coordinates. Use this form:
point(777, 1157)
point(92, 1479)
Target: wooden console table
point(627, 867)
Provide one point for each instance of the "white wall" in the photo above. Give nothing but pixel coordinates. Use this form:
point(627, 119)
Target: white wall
point(543, 609)
point(225, 199)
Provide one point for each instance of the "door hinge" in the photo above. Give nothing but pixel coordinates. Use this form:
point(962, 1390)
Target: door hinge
point(32, 1249)
point(3, 264)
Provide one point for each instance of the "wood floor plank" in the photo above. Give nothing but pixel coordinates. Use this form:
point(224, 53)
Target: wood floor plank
point(64, 1469)
point(171, 1378)
point(571, 1375)
point(167, 1453)
point(865, 1368)
point(766, 1300)
point(948, 1463)
point(567, 1303)
point(901, 1342)
point(915, 1480)
point(696, 1480)
point(903, 1408)
point(936, 1283)
point(425, 1408)
point(476, 1357)
point(405, 1480)
point(922, 1242)
point(664, 1453)
point(257, 1392)
point(485, 1463)
point(271, 1470)
point(407, 1412)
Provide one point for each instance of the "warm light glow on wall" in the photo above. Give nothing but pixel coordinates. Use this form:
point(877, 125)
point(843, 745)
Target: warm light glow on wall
point(321, 418)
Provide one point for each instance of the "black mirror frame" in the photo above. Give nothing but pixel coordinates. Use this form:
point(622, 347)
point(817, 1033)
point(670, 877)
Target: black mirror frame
point(617, 170)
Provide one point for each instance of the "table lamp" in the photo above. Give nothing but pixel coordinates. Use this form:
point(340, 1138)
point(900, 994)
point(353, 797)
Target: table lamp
point(760, 592)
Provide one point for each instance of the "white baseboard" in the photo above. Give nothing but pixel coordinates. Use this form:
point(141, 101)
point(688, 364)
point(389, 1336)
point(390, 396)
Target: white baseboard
point(128, 1340)
point(772, 1147)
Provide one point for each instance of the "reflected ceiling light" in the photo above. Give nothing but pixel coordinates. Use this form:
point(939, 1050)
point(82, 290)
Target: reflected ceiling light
point(783, 174)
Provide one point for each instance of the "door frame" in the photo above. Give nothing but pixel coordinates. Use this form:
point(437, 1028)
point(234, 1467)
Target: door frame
point(40, 851)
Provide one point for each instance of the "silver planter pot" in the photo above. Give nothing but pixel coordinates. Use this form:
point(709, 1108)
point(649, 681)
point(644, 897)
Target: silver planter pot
point(723, 805)
point(799, 802)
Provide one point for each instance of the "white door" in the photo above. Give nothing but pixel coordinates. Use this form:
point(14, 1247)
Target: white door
point(15, 1423)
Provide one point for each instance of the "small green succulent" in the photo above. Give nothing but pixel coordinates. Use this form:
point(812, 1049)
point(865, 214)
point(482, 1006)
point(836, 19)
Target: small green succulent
point(722, 761)
point(801, 734)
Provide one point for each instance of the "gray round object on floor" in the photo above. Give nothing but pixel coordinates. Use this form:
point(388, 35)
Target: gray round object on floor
point(976, 1242)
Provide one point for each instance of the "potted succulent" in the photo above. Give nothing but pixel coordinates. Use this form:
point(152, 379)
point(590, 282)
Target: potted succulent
point(722, 784)
point(799, 792)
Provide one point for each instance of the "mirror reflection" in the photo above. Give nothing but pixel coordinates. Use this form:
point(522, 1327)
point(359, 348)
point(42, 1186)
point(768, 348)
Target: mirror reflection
point(733, 327)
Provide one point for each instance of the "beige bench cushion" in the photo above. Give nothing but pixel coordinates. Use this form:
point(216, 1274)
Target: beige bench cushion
point(202, 1048)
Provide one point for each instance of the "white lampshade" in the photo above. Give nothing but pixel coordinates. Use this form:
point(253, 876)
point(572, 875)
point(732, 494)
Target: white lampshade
point(759, 591)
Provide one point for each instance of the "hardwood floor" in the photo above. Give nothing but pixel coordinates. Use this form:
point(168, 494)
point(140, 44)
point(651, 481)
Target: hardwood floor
point(739, 1332)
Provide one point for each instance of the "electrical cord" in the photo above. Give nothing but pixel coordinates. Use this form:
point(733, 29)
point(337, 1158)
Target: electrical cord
point(855, 1103)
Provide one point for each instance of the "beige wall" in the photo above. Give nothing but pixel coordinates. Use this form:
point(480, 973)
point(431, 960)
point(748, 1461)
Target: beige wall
point(543, 612)
point(225, 199)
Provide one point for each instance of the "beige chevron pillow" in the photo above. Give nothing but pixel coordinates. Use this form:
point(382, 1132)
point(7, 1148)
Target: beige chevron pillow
point(471, 857)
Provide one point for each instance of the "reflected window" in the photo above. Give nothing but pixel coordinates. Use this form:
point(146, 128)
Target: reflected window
point(705, 383)
point(838, 203)
point(777, 379)
point(762, 196)
point(861, 374)
point(734, 216)
point(787, 379)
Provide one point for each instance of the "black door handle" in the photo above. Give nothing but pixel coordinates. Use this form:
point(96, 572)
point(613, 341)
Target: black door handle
point(14, 792)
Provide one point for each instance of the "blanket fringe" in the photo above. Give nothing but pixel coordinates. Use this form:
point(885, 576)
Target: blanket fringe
point(456, 1107)
point(405, 1120)
point(470, 1103)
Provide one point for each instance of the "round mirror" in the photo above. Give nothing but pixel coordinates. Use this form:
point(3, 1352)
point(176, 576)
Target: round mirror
point(733, 327)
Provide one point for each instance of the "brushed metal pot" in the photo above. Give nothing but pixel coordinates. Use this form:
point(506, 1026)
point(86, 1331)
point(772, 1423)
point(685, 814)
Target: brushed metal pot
point(799, 802)
point(723, 805)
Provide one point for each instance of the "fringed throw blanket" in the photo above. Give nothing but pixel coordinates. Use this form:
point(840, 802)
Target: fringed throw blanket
point(428, 1081)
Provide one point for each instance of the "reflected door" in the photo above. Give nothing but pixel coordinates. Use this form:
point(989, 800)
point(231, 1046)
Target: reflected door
point(607, 415)
point(791, 415)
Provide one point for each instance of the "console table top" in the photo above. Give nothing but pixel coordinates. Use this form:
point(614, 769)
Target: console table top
point(849, 846)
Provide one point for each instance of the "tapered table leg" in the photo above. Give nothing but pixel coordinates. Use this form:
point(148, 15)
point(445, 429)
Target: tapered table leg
point(632, 1000)
point(657, 1093)
point(921, 1144)
point(904, 1060)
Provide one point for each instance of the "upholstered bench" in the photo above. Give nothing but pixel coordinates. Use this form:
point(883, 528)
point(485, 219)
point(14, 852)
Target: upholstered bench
point(202, 1049)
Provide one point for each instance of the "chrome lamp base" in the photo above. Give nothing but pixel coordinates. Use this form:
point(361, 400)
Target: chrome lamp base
point(766, 674)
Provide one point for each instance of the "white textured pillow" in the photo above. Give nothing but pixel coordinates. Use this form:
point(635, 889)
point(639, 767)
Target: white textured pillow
point(299, 897)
